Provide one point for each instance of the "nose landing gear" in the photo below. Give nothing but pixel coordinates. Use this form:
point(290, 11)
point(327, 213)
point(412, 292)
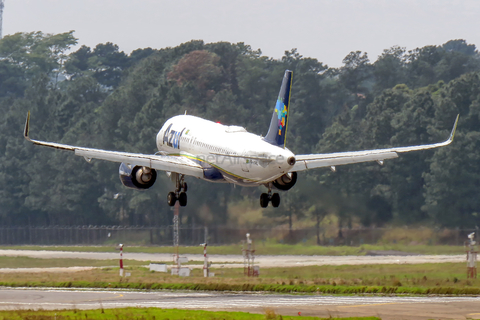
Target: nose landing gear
point(179, 193)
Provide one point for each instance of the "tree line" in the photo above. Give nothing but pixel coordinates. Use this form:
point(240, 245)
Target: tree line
point(104, 98)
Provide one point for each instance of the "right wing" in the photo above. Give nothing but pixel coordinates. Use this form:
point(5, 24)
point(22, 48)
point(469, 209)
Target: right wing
point(180, 165)
point(310, 161)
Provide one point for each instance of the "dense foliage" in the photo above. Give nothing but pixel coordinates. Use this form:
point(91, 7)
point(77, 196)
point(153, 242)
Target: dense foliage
point(103, 98)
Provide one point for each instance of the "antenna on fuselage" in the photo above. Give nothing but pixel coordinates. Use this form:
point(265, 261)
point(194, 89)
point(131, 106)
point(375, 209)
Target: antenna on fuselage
point(185, 112)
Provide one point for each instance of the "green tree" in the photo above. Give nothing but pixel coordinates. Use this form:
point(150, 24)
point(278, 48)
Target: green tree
point(452, 184)
point(355, 72)
point(389, 69)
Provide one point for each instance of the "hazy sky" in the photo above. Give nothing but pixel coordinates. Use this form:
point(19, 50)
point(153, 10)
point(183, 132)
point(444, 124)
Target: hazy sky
point(324, 29)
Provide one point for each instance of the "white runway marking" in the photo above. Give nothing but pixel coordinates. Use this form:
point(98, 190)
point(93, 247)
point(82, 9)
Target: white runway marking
point(93, 299)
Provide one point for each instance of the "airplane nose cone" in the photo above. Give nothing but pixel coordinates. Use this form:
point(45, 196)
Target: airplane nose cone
point(291, 161)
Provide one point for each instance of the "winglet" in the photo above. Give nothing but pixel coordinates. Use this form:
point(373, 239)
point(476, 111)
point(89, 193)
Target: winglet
point(452, 134)
point(44, 143)
point(27, 127)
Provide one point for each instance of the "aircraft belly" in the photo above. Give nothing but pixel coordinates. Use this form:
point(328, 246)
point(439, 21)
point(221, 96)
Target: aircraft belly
point(241, 182)
point(247, 175)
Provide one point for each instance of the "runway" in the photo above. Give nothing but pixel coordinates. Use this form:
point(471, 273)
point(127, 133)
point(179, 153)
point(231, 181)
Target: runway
point(386, 307)
point(308, 305)
point(236, 261)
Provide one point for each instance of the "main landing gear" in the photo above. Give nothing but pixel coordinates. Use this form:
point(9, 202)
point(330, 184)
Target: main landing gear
point(180, 192)
point(267, 197)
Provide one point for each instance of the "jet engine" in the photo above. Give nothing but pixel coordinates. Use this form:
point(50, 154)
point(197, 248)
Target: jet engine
point(285, 182)
point(137, 177)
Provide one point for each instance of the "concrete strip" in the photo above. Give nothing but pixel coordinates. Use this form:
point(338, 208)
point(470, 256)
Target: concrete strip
point(263, 260)
point(37, 270)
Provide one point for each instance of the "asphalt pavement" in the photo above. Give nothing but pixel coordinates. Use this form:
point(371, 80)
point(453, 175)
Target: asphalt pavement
point(386, 307)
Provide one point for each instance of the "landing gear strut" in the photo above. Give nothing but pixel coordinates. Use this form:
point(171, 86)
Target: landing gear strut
point(265, 198)
point(179, 193)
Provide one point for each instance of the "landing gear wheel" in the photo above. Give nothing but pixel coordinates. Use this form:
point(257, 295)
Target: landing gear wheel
point(171, 199)
point(180, 191)
point(264, 199)
point(275, 200)
point(182, 199)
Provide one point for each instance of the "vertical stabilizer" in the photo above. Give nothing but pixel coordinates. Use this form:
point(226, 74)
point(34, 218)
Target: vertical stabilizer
point(278, 125)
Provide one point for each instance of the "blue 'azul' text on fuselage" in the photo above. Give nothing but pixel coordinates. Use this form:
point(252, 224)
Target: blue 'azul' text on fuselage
point(172, 137)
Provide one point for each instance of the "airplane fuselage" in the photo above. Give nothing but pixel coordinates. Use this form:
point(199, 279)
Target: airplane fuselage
point(227, 153)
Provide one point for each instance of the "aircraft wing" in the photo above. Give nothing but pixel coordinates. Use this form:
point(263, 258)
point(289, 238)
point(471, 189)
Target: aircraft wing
point(180, 165)
point(310, 161)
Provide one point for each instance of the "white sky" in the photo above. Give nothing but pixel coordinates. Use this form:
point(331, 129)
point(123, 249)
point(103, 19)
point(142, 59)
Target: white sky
point(324, 29)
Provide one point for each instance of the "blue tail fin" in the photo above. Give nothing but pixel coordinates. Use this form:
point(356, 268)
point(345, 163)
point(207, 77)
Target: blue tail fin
point(278, 125)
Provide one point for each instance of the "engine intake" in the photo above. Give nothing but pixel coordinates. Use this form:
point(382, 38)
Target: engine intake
point(285, 182)
point(137, 177)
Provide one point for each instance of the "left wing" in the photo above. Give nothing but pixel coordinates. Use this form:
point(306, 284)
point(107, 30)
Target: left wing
point(180, 165)
point(310, 161)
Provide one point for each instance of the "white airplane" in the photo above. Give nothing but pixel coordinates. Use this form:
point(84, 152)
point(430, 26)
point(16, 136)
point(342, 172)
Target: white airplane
point(192, 146)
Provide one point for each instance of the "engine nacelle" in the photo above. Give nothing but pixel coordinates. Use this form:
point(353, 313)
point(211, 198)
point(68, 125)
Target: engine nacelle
point(285, 182)
point(137, 177)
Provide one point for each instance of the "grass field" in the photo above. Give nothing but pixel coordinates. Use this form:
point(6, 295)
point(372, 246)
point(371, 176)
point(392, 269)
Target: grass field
point(149, 314)
point(391, 278)
point(267, 248)
point(420, 278)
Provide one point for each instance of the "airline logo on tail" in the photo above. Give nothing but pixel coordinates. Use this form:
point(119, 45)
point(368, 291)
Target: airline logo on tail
point(282, 111)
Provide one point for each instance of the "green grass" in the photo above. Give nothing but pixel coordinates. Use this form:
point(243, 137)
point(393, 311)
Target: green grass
point(269, 248)
point(429, 278)
point(246, 287)
point(149, 314)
